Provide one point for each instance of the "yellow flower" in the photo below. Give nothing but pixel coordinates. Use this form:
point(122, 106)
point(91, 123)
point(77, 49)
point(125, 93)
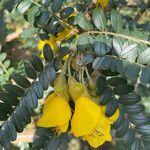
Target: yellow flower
point(103, 3)
point(56, 113)
point(90, 123)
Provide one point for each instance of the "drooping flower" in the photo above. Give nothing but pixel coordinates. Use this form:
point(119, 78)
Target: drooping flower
point(56, 113)
point(89, 122)
point(56, 110)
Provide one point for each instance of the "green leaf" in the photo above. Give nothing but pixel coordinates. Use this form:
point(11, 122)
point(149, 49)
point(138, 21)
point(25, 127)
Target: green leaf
point(82, 21)
point(3, 57)
point(139, 119)
point(143, 129)
point(129, 99)
point(123, 129)
point(111, 107)
point(56, 5)
point(101, 85)
point(6, 63)
point(29, 32)
point(117, 81)
point(88, 58)
point(106, 96)
point(31, 73)
point(84, 41)
point(37, 63)
point(102, 63)
point(145, 76)
point(129, 137)
point(99, 18)
point(120, 120)
point(144, 57)
point(14, 90)
point(32, 13)
point(116, 20)
point(133, 71)
point(134, 109)
point(24, 6)
point(123, 89)
point(11, 131)
point(66, 12)
point(48, 53)
point(136, 145)
point(20, 80)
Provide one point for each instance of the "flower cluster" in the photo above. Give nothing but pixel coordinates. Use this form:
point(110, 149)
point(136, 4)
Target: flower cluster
point(87, 120)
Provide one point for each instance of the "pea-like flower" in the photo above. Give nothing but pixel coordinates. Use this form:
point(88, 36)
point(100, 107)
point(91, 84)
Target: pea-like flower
point(56, 110)
point(90, 123)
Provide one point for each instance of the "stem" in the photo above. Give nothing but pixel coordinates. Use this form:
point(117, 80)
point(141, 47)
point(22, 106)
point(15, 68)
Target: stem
point(137, 40)
point(4, 68)
point(36, 3)
point(69, 69)
point(64, 69)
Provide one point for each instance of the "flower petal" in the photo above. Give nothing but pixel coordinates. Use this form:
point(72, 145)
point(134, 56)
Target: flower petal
point(57, 113)
point(48, 101)
point(86, 116)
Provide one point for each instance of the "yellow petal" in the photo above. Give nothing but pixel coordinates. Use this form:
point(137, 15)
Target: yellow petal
point(114, 117)
point(63, 128)
point(103, 3)
point(48, 101)
point(98, 138)
point(57, 113)
point(86, 116)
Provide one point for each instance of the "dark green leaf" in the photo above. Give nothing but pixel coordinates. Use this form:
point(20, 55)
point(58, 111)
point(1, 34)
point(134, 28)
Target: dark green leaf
point(88, 58)
point(123, 89)
point(66, 12)
point(136, 145)
point(116, 81)
point(10, 129)
point(106, 96)
point(14, 90)
point(134, 109)
point(133, 71)
point(57, 63)
point(101, 85)
point(145, 76)
point(31, 73)
point(37, 63)
point(139, 119)
point(111, 107)
point(48, 53)
point(56, 5)
point(8, 99)
point(43, 18)
point(123, 129)
point(38, 89)
point(101, 48)
point(129, 137)
point(20, 80)
point(129, 99)
point(143, 129)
